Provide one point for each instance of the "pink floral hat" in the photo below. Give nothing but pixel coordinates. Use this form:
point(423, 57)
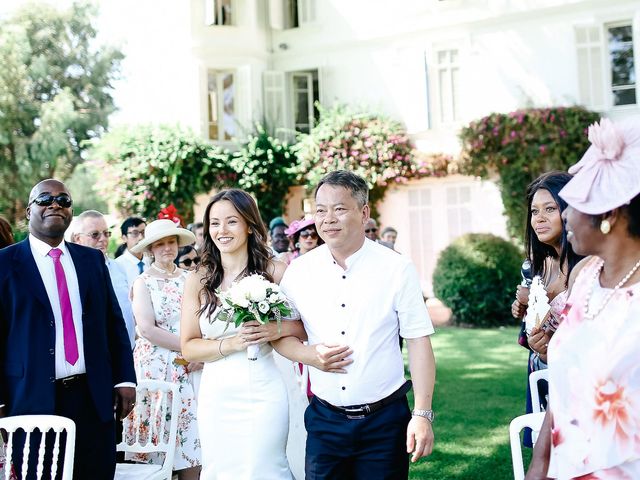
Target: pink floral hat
point(608, 174)
point(298, 225)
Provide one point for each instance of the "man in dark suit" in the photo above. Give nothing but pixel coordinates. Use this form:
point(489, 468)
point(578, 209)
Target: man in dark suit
point(64, 348)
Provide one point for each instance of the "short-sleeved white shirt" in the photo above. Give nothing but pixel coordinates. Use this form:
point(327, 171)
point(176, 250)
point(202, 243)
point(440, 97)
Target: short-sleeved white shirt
point(365, 306)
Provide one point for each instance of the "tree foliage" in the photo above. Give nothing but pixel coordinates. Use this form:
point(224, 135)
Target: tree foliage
point(55, 93)
point(146, 168)
point(266, 167)
point(373, 146)
point(520, 146)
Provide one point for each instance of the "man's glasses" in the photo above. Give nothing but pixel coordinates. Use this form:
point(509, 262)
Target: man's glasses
point(308, 234)
point(97, 235)
point(135, 233)
point(371, 230)
point(188, 261)
point(46, 200)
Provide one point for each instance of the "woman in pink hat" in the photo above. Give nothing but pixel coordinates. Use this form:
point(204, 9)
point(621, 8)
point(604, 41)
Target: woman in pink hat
point(592, 425)
point(304, 237)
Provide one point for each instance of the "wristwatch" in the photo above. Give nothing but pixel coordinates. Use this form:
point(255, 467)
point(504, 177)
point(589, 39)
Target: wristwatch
point(428, 414)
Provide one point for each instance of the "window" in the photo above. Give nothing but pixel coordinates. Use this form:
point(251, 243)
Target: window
point(304, 94)
point(218, 12)
point(606, 65)
point(220, 102)
point(421, 233)
point(459, 216)
point(285, 14)
point(623, 74)
point(448, 78)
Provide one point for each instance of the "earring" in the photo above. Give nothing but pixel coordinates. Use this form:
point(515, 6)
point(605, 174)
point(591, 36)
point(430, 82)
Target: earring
point(605, 226)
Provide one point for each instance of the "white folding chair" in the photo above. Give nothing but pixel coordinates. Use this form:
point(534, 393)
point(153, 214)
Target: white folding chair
point(534, 378)
point(534, 422)
point(43, 423)
point(154, 423)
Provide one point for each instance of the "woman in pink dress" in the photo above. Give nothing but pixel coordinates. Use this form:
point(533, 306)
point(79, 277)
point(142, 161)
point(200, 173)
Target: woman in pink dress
point(592, 426)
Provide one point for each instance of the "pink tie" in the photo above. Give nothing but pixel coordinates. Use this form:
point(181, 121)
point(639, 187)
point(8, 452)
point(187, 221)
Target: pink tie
point(69, 331)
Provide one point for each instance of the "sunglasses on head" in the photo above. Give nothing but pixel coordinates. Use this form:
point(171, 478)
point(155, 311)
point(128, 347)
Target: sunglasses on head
point(308, 233)
point(46, 200)
point(188, 261)
point(371, 230)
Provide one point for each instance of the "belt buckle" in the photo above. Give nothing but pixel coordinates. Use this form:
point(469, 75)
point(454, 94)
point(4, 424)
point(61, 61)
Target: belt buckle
point(355, 413)
point(67, 381)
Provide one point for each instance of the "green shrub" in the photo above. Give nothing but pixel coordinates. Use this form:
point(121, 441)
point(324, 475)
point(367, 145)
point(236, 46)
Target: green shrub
point(476, 278)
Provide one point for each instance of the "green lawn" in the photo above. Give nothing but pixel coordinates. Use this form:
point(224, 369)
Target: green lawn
point(480, 387)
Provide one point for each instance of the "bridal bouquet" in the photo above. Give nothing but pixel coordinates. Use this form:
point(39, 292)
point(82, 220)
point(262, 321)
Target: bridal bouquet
point(252, 298)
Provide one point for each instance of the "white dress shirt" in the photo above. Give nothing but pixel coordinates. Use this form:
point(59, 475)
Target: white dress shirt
point(365, 306)
point(44, 262)
point(128, 263)
point(121, 288)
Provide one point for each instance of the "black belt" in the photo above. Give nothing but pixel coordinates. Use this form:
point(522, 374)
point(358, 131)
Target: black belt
point(70, 381)
point(361, 411)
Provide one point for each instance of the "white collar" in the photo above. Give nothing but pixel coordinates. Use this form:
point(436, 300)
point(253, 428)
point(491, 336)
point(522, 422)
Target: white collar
point(43, 249)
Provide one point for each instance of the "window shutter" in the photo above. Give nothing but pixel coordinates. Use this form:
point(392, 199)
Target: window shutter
point(209, 12)
point(276, 14)
point(306, 11)
point(590, 59)
point(273, 88)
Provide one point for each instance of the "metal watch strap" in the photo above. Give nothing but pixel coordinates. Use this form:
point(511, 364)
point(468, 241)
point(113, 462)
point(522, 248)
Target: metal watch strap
point(428, 414)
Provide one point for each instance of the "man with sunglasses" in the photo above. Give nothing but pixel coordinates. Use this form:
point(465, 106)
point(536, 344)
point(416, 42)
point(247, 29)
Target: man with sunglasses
point(64, 348)
point(371, 229)
point(90, 229)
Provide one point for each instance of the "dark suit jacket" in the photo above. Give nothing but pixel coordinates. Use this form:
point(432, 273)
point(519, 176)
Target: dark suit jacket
point(27, 333)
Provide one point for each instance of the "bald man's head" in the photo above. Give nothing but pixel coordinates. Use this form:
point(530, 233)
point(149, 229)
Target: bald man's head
point(49, 211)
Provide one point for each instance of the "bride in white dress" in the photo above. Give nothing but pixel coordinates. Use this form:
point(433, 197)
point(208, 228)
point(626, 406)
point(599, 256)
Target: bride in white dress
point(243, 407)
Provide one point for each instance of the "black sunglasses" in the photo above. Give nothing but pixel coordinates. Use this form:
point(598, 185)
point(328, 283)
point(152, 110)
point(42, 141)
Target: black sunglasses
point(369, 230)
point(188, 261)
point(46, 200)
point(308, 233)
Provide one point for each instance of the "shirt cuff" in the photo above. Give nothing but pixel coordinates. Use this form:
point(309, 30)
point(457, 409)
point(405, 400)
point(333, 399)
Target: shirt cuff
point(125, 384)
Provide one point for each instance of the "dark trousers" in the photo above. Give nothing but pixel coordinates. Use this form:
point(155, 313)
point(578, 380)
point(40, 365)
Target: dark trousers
point(94, 457)
point(371, 448)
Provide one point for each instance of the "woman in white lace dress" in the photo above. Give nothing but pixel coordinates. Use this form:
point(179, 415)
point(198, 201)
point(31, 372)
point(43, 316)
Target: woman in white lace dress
point(243, 409)
point(157, 298)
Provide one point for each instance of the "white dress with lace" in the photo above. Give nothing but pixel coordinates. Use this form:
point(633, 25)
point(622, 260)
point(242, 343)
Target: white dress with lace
point(243, 415)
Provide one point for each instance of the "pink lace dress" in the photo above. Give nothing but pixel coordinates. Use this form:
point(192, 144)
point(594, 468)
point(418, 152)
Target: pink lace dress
point(594, 383)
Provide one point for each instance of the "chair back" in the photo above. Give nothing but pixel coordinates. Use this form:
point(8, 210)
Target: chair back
point(35, 428)
point(152, 426)
point(534, 422)
point(534, 378)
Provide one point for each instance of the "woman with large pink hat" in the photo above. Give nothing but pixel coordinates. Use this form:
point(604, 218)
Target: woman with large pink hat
point(303, 236)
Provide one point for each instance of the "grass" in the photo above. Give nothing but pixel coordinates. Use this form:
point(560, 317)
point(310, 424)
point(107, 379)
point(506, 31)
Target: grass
point(480, 387)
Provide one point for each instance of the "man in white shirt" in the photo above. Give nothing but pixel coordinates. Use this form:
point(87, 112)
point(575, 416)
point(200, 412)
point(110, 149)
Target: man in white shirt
point(132, 264)
point(91, 231)
point(354, 297)
point(64, 347)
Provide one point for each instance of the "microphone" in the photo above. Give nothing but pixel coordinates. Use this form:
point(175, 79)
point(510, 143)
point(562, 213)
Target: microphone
point(527, 273)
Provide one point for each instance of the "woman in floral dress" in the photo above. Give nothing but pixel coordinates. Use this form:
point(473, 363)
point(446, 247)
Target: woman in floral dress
point(592, 426)
point(157, 298)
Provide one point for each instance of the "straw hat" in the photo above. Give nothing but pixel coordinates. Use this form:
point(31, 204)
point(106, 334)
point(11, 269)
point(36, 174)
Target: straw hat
point(159, 229)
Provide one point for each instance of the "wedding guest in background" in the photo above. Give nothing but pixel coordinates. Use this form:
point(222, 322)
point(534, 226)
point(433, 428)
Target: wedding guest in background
point(552, 259)
point(188, 258)
point(132, 264)
point(371, 230)
point(279, 239)
point(304, 238)
point(6, 236)
point(592, 425)
point(90, 230)
point(157, 299)
point(354, 296)
point(243, 410)
point(197, 229)
point(64, 346)
point(388, 237)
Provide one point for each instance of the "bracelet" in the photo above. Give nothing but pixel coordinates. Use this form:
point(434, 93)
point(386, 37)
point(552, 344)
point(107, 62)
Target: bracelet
point(222, 355)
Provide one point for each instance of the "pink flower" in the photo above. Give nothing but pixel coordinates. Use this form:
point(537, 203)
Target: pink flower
point(606, 139)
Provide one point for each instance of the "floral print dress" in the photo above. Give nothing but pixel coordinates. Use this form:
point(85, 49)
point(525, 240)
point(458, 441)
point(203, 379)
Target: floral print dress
point(158, 363)
point(594, 382)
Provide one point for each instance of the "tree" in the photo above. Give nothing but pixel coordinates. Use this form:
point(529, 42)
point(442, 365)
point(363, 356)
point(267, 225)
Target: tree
point(146, 168)
point(55, 93)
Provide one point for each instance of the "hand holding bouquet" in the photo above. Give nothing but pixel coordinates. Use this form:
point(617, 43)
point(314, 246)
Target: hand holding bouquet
point(252, 298)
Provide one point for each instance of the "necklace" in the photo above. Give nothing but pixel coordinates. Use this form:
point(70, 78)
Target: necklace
point(166, 272)
point(591, 315)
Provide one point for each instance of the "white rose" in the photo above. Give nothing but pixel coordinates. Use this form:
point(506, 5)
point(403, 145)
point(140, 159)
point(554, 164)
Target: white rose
point(263, 307)
point(274, 298)
point(238, 295)
point(256, 288)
